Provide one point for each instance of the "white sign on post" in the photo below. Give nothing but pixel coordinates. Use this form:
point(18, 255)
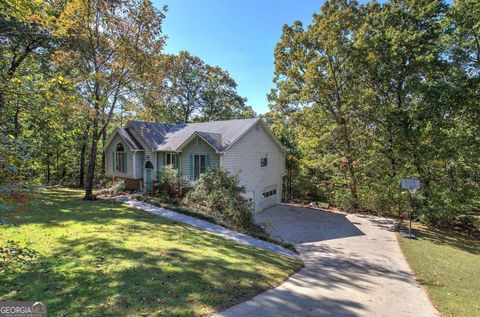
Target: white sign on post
point(410, 184)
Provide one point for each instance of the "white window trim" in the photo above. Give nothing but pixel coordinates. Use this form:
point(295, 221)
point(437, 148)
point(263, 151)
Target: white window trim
point(269, 191)
point(200, 161)
point(262, 157)
point(117, 155)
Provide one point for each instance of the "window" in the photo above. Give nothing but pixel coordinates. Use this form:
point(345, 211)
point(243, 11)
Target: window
point(120, 159)
point(269, 191)
point(264, 160)
point(171, 159)
point(199, 165)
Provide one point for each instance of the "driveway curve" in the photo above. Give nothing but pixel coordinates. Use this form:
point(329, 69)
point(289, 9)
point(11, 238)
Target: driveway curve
point(353, 267)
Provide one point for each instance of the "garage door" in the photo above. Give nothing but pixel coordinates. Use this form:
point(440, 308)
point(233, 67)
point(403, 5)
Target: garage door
point(269, 196)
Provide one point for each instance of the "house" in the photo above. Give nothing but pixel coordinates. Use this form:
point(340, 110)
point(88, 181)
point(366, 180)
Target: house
point(244, 147)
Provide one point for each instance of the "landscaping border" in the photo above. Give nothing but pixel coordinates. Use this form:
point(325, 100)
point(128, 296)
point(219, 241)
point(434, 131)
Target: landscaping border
point(207, 226)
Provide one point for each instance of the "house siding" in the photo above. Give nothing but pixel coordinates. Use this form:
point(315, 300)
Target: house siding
point(243, 159)
point(109, 158)
point(139, 163)
point(142, 156)
point(201, 147)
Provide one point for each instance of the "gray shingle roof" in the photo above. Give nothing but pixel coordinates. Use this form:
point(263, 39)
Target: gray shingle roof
point(130, 140)
point(169, 137)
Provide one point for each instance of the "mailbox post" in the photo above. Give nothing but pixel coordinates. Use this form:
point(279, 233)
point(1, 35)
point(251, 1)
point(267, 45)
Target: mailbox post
point(410, 184)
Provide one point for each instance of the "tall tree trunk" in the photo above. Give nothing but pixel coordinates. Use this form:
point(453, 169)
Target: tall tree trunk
point(350, 161)
point(391, 153)
point(353, 183)
point(16, 122)
point(104, 140)
point(83, 151)
point(92, 161)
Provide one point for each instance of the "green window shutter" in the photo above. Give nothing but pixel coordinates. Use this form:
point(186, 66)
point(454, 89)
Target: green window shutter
point(164, 159)
point(191, 166)
point(125, 162)
point(113, 161)
point(207, 162)
point(177, 161)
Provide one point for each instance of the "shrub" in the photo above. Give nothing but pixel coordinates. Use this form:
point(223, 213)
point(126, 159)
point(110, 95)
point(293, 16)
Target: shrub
point(167, 181)
point(118, 187)
point(220, 194)
point(444, 207)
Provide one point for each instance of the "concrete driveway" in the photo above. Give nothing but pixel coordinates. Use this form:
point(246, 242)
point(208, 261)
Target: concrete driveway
point(353, 267)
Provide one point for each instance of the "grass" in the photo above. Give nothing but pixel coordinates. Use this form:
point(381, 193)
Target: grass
point(448, 266)
point(254, 231)
point(102, 258)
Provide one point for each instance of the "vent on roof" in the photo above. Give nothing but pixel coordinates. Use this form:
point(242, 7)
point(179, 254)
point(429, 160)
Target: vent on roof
point(257, 127)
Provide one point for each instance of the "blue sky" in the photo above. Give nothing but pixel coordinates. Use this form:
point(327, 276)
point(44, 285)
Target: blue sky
point(237, 35)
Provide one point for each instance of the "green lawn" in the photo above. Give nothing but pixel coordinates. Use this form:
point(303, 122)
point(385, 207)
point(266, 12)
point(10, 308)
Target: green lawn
point(101, 258)
point(448, 265)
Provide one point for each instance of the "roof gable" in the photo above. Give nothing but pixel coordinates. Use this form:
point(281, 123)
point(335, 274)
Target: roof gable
point(126, 136)
point(212, 139)
point(267, 131)
point(171, 137)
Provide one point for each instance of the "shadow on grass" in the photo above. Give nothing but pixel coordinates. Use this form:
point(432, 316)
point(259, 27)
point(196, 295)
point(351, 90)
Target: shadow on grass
point(441, 237)
point(92, 275)
point(55, 208)
point(112, 260)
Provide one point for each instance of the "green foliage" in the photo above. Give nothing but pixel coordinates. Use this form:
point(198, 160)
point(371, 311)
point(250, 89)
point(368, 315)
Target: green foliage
point(370, 94)
point(187, 89)
point(365, 95)
point(168, 181)
point(118, 187)
point(17, 177)
point(219, 193)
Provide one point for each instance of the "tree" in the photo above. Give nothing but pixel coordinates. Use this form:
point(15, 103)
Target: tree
point(185, 78)
point(188, 90)
point(379, 92)
point(110, 42)
point(317, 87)
point(220, 98)
point(398, 60)
point(26, 41)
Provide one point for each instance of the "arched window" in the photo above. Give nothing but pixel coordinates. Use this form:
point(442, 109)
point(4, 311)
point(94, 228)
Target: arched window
point(149, 165)
point(120, 159)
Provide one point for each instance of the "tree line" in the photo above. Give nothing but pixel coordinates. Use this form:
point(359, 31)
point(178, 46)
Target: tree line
point(365, 95)
point(368, 94)
point(72, 70)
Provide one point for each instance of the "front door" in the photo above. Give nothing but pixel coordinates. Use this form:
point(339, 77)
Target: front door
point(149, 183)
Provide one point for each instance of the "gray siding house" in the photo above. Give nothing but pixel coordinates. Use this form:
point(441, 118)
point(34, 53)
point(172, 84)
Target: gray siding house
point(244, 147)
